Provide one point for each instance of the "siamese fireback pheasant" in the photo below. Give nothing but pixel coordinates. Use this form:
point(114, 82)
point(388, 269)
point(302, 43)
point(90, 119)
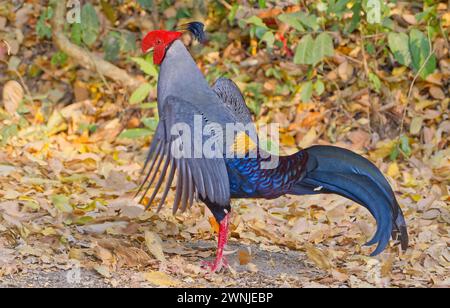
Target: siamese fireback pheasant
point(184, 93)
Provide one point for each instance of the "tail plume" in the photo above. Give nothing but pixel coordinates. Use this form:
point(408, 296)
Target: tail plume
point(340, 171)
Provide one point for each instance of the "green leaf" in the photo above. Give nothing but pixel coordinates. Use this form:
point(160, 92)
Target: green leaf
point(90, 24)
point(303, 52)
point(150, 123)
point(373, 11)
point(259, 31)
point(370, 48)
point(309, 21)
point(146, 4)
point(292, 20)
point(7, 132)
point(83, 220)
point(183, 12)
point(127, 41)
point(399, 45)
point(338, 7)
point(136, 133)
point(375, 82)
point(148, 105)
point(420, 51)
point(232, 14)
point(75, 33)
point(323, 47)
point(404, 145)
point(112, 46)
point(319, 87)
point(255, 20)
point(356, 18)
point(43, 30)
point(269, 39)
point(394, 154)
point(61, 202)
point(146, 66)
point(306, 92)
point(140, 94)
point(59, 58)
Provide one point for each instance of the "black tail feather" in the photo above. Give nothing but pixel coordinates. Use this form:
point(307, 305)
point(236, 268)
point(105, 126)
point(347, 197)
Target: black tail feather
point(340, 171)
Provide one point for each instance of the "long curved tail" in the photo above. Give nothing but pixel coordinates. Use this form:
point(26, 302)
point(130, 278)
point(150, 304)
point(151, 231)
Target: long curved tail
point(336, 170)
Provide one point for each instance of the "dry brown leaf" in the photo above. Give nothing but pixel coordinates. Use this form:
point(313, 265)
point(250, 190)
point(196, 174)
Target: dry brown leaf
point(345, 71)
point(318, 257)
point(103, 270)
point(105, 255)
point(416, 125)
point(437, 92)
point(13, 94)
point(154, 245)
point(161, 279)
point(308, 139)
point(409, 18)
point(244, 256)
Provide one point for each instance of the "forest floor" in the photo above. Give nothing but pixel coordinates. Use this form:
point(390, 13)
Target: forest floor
point(76, 212)
point(275, 269)
point(73, 142)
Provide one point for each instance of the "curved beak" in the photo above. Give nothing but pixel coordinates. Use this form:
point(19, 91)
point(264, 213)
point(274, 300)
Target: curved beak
point(148, 50)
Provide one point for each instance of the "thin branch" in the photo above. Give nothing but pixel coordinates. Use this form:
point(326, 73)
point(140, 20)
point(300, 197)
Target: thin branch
point(8, 47)
point(411, 89)
point(85, 58)
point(366, 69)
point(414, 81)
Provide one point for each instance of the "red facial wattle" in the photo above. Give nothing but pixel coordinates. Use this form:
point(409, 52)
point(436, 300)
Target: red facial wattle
point(159, 40)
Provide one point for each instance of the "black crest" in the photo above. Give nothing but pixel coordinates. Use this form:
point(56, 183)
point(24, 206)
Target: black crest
point(197, 30)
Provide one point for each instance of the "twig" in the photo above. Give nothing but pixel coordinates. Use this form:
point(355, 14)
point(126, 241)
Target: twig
point(373, 35)
point(351, 59)
point(8, 47)
point(366, 69)
point(84, 57)
point(411, 89)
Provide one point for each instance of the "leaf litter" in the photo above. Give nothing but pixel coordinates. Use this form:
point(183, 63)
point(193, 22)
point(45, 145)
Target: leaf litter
point(67, 180)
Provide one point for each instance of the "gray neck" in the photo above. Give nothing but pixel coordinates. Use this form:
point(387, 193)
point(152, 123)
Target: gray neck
point(180, 76)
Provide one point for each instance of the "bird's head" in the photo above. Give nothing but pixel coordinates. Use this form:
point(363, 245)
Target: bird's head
point(160, 40)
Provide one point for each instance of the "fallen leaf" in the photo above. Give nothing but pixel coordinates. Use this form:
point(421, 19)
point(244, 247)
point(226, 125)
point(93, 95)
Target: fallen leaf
point(318, 257)
point(103, 270)
point(12, 96)
point(437, 92)
point(308, 139)
point(393, 170)
point(244, 256)
point(345, 71)
point(161, 279)
point(154, 245)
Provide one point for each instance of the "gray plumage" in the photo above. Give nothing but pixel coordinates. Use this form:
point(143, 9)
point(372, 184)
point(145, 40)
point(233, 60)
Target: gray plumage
point(182, 93)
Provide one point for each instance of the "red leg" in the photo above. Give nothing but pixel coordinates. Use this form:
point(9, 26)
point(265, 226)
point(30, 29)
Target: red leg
point(220, 260)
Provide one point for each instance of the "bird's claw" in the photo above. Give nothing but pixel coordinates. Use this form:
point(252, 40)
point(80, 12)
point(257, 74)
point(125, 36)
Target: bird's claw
point(216, 266)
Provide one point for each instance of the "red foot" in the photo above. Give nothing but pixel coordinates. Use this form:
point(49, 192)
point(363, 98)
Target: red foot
point(220, 260)
point(215, 266)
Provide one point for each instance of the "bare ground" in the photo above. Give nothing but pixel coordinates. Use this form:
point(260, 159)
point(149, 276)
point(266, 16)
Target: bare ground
point(268, 269)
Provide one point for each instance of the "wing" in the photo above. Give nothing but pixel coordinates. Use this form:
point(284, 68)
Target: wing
point(232, 97)
point(171, 154)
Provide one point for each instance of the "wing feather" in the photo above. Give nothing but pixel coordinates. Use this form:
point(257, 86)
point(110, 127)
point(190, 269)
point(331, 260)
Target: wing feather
point(207, 177)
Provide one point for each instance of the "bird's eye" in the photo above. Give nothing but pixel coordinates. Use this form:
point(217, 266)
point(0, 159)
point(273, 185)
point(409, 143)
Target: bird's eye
point(158, 42)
